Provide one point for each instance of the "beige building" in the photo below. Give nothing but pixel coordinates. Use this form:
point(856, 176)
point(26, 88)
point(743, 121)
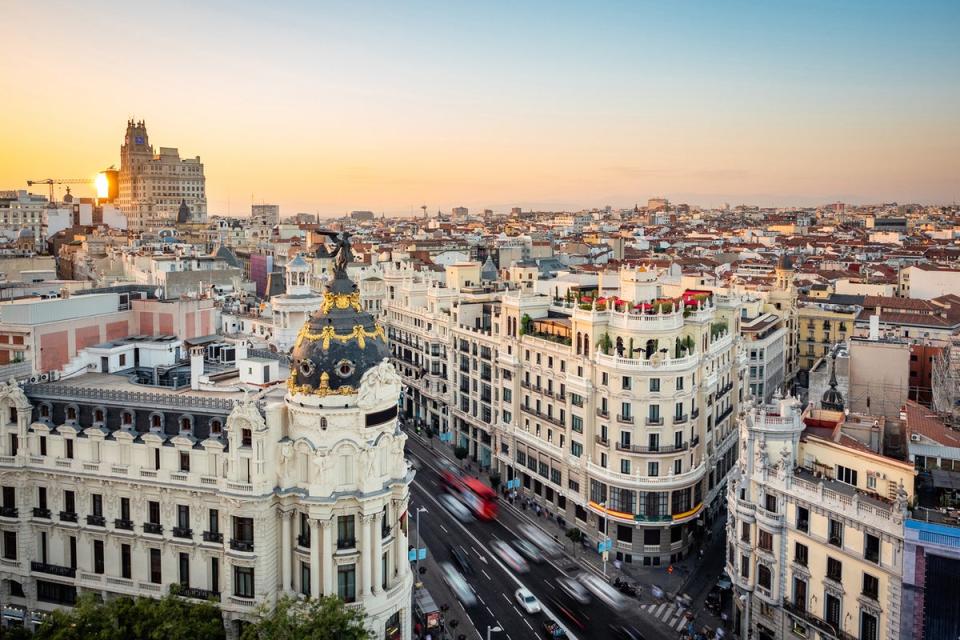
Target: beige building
point(815, 525)
point(154, 185)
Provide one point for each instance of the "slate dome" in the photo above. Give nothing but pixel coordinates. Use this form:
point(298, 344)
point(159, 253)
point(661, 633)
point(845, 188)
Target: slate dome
point(340, 341)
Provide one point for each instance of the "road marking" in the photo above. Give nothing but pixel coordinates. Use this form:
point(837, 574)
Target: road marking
point(660, 610)
point(509, 601)
point(518, 612)
point(444, 529)
point(550, 585)
point(488, 611)
point(480, 599)
point(527, 622)
point(485, 574)
point(680, 624)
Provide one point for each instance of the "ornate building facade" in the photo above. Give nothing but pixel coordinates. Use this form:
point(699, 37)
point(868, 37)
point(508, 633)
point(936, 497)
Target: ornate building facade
point(118, 488)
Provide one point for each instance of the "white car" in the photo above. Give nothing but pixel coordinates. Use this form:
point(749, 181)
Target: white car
point(603, 591)
point(527, 601)
point(574, 589)
point(509, 555)
point(458, 584)
point(456, 508)
point(550, 547)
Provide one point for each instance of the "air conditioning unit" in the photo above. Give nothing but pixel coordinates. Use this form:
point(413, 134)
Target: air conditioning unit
point(34, 379)
point(44, 377)
point(914, 437)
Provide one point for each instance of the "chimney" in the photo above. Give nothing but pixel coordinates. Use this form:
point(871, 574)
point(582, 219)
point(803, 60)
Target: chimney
point(875, 327)
point(196, 367)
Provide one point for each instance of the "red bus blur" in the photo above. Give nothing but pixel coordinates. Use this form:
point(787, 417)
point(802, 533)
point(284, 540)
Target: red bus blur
point(481, 499)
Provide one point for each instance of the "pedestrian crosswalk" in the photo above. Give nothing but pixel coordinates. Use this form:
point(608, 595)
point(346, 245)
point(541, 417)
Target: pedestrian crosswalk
point(667, 613)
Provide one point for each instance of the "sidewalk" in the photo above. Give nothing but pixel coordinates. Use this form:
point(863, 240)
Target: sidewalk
point(672, 582)
point(432, 581)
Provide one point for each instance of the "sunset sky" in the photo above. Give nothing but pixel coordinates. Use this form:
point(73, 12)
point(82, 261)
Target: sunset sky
point(329, 107)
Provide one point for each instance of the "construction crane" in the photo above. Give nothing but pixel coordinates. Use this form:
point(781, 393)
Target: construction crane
point(55, 181)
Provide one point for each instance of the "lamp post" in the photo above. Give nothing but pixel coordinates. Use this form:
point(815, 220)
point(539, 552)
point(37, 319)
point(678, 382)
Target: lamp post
point(419, 511)
point(492, 630)
point(606, 537)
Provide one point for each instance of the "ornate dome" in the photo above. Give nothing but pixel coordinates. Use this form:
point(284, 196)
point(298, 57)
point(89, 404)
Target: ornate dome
point(832, 399)
point(340, 341)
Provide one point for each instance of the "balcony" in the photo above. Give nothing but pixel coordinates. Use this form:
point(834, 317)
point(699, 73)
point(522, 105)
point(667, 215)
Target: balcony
point(121, 523)
point(40, 512)
point(723, 416)
point(195, 593)
point(53, 569)
point(241, 545)
point(183, 532)
point(153, 527)
point(602, 413)
point(8, 512)
point(303, 540)
point(346, 543)
point(695, 413)
point(679, 419)
point(825, 628)
point(213, 536)
point(68, 516)
point(96, 521)
point(385, 531)
point(602, 441)
point(625, 419)
point(654, 422)
point(636, 448)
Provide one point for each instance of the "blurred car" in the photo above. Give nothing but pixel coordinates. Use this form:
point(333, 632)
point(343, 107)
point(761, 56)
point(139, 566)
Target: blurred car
point(724, 581)
point(602, 590)
point(713, 599)
point(527, 601)
point(528, 551)
point(507, 553)
point(569, 614)
point(550, 547)
point(553, 630)
point(574, 589)
point(462, 559)
point(623, 632)
point(458, 584)
point(456, 508)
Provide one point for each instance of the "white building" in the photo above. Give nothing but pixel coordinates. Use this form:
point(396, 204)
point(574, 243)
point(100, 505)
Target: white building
point(118, 488)
point(292, 309)
point(154, 185)
point(21, 210)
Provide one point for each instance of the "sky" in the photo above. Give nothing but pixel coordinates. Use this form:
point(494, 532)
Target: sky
point(329, 107)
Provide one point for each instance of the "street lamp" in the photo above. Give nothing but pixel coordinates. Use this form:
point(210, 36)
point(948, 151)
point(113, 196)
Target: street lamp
point(492, 630)
point(606, 537)
point(419, 510)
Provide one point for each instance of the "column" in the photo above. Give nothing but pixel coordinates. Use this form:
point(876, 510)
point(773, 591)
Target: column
point(400, 546)
point(329, 568)
point(285, 552)
point(366, 554)
point(377, 551)
point(315, 566)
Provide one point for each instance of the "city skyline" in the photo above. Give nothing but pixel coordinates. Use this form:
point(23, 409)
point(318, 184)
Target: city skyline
point(340, 108)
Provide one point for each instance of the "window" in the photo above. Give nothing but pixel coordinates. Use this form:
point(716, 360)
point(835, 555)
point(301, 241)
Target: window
point(800, 554)
point(98, 556)
point(576, 423)
point(345, 531)
point(125, 567)
point(679, 383)
point(625, 466)
point(763, 576)
point(243, 582)
point(868, 626)
point(96, 504)
point(156, 575)
point(243, 529)
point(832, 608)
point(765, 540)
point(216, 426)
point(871, 549)
point(347, 583)
point(43, 445)
point(846, 475)
point(803, 519)
point(834, 569)
point(770, 502)
point(69, 502)
point(183, 516)
point(651, 537)
point(184, 569)
point(305, 578)
point(576, 449)
point(626, 382)
point(69, 448)
point(800, 593)
point(654, 384)
point(836, 533)
point(871, 586)
point(153, 512)
point(654, 414)
point(745, 566)
point(10, 545)
point(185, 461)
point(745, 531)
point(653, 469)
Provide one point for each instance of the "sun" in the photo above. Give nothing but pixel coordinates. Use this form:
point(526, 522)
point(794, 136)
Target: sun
point(102, 185)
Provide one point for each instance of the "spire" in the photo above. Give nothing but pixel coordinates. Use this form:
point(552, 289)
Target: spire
point(832, 399)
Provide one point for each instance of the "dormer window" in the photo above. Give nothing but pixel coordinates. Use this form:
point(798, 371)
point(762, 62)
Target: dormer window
point(98, 416)
point(216, 427)
point(71, 414)
point(127, 419)
point(186, 423)
point(156, 421)
point(246, 438)
point(13, 414)
point(44, 411)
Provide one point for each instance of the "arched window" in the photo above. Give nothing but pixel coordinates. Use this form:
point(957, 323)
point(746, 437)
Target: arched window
point(578, 343)
point(216, 427)
point(619, 346)
point(127, 418)
point(72, 414)
point(186, 423)
point(651, 347)
point(44, 411)
point(156, 421)
point(98, 415)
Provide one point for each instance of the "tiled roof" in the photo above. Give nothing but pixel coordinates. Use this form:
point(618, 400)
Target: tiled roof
point(922, 421)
